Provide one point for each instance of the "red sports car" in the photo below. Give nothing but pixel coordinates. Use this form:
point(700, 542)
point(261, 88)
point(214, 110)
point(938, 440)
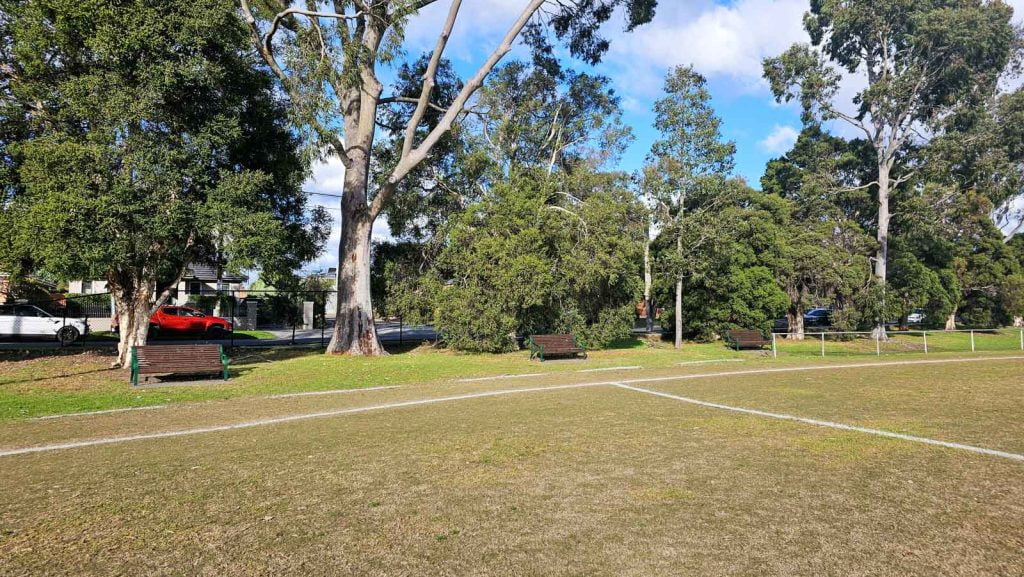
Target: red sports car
point(179, 320)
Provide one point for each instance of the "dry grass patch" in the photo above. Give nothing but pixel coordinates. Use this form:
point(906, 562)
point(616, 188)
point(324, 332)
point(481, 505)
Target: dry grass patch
point(591, 481)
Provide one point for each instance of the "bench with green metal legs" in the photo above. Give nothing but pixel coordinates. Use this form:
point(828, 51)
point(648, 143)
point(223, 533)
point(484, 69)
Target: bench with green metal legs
point(158, 360)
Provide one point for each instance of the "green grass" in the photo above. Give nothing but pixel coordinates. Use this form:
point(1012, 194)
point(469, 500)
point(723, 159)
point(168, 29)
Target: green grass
point(1001, 340)
point(597, 481)
point(261, 335)
point(62, 382)
point(53, 382)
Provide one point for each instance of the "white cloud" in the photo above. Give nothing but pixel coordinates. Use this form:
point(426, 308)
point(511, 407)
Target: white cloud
point(728, 41)
point(780, 139)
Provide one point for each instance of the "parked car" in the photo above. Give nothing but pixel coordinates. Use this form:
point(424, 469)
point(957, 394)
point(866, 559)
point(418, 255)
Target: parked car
point(916, 317)
point(179, 320)
point(21, 320)
point(818, 317)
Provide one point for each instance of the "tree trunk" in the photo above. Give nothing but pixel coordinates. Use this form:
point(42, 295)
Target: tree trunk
point(354, 331)
point(882, 257)
point(648, 284)
point(679, 297)
point(134, 304)
point(795, 319)
point(951, 321)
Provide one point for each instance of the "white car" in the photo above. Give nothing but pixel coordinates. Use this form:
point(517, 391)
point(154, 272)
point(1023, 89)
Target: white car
point(916, 317)
point(30, 321)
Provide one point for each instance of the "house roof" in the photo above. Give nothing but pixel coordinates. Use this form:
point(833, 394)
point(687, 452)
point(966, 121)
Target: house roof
point(208, 273)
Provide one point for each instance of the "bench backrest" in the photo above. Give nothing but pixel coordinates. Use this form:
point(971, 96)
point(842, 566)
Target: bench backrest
point(551, 342)
point(179, 355)
point(746, 336)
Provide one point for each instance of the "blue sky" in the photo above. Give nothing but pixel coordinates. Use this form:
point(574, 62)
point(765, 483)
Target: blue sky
point(725, 41)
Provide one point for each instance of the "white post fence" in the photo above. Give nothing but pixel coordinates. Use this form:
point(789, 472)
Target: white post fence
point(1000, 339)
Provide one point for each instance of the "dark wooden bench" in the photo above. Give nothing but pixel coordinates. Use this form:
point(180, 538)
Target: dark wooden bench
point(543, 346)
point(178, 359)
point(746, 339)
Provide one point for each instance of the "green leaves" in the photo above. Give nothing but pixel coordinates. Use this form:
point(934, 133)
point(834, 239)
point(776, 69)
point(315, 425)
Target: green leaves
point(151, 141)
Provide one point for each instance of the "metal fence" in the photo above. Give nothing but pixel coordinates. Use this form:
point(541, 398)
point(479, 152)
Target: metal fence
point(851, 343)
point(258, 317)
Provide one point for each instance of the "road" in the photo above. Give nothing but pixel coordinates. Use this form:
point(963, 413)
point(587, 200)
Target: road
point(388, 333)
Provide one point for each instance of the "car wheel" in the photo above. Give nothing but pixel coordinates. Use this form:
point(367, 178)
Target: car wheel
point(67, 335)
point(215, 333)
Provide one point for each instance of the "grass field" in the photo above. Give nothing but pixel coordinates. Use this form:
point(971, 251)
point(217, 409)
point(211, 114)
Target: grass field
point(54, 382)
point(556, 474)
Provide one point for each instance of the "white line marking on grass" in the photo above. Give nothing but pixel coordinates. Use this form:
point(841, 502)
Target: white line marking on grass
point(103, 412)
point(830, 424)
point(328, 392)
point(280, 420)
point(479, 379)
point(813, 368)
point(709, 361)
point(618, 383)
point(629, 368)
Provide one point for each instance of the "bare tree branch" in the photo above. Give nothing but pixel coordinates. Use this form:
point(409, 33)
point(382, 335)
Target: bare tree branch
point(430, 77)
point(415, 156)
point(411, 100)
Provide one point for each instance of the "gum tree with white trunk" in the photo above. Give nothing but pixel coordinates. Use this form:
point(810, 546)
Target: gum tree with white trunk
point(918, 61)
point(327, 56)
point(685, 175)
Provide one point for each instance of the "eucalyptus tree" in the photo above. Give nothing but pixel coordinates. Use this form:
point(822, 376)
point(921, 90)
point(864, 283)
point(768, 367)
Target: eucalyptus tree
point(533, 117)
point(148, 141)
point(918, 61)
point(327, 58)
point(825, 243)
point(686, 172)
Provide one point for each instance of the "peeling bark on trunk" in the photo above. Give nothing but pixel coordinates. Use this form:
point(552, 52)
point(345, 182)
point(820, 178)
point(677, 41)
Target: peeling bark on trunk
point(882, 257)
point(795, 319)
point(648, 284)
point(679, 298)
point(134, 306)
point(354, 331)
point(951, 321)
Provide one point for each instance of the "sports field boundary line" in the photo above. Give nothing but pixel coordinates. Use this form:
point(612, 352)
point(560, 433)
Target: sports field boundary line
point(829, 424)
point(328, 392)
point(619, 383)
point(281, 420)
point(103, 412)
point(814, 368)
point(708, 362)
point(498, 377)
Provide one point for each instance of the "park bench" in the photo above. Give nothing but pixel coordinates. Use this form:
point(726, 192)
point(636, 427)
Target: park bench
point(178, 359)
point(543, 346)
point(745, 339)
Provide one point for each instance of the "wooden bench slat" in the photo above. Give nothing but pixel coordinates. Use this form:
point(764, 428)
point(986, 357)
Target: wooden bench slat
point(178, 359)
point(746, 339)
point(562, 344)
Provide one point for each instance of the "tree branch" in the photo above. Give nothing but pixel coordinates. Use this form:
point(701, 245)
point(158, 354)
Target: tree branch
point(411, 100)
point(268, 57)
point(429, 77)
point(415, 156)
